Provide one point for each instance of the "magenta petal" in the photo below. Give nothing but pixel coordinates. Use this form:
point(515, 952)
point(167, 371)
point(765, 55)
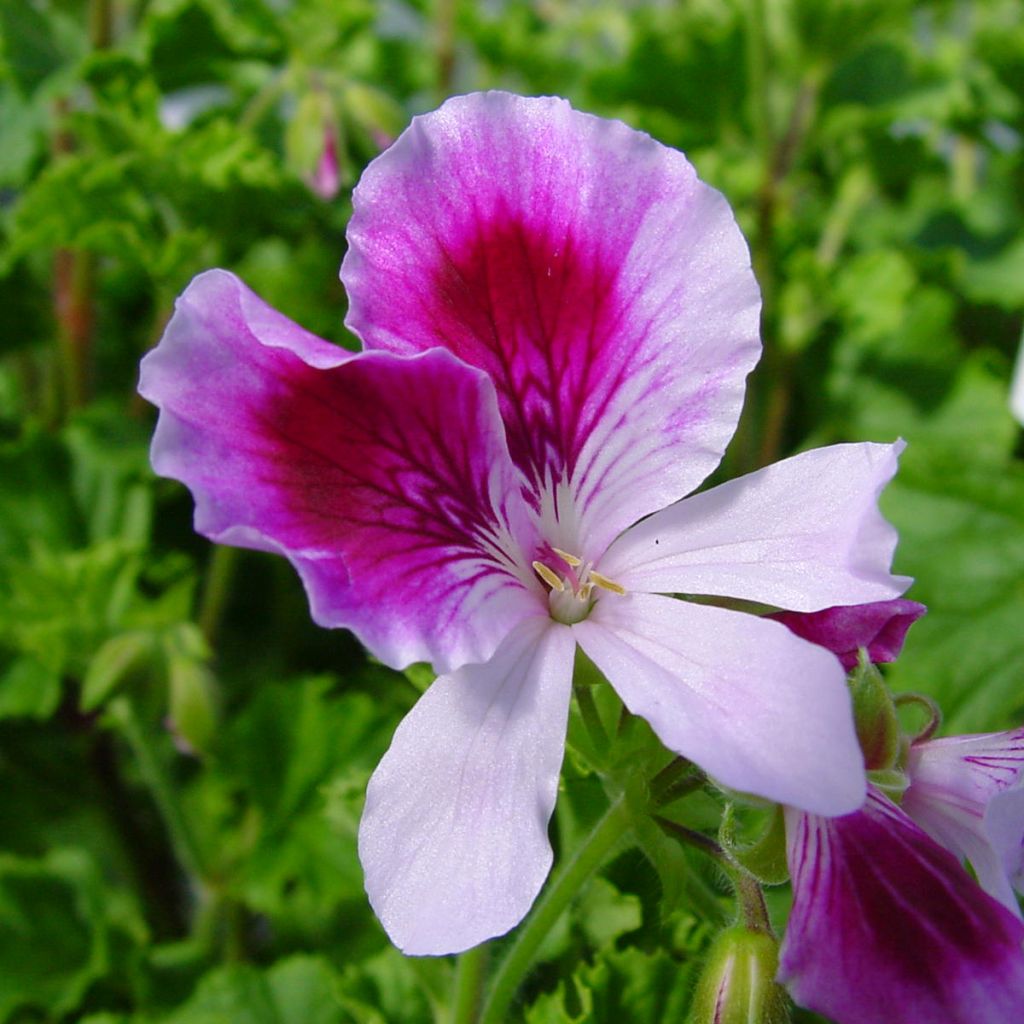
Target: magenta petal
point(967, 793)
point(605, 289)
point(385, 481)
point(887, 927)
point(758, 708)
point(454, 837)
point(802, 534)
point(880, 627)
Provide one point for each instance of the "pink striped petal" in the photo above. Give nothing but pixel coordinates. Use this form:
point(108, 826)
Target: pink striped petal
point(605, 289)
point(967, 793)
point(385, 481)
point(454, 837)
point(802, 534)
point(887, 927)
point(758, 708)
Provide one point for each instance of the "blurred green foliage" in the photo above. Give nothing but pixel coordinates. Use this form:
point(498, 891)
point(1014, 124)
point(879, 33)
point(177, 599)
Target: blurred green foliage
point(182, 754)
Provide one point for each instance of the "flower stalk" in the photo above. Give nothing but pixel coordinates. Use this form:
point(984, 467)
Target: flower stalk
point(570, 877)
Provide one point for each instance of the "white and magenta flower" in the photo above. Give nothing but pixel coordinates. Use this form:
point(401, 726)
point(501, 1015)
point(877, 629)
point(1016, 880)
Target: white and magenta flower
point(967, 793)
point(557, 321)
point(888, 928)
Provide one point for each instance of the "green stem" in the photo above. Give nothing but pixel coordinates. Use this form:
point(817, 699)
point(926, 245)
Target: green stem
point(697, 840)
point(750, 896)
point(444, 45)
point(159, 784)
point(470, 972)
point(591, 718)
point(566, 883)
point(216, 589)
point(679, 777)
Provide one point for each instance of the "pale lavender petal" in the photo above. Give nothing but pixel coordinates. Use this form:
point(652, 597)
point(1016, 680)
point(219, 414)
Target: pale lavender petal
point(606, 290)
point(887, 927)
point(880, 627)
point(802, 534)
point(966, 793)
point(1004, 825)
point(385, 481)
point(755, 706)
point(454, 836)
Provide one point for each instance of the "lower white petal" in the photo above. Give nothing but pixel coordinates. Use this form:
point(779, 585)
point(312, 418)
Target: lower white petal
point(454, 839)
point(755, 706)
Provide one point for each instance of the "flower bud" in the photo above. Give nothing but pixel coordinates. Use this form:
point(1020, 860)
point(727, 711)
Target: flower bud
point(192, 713)
point(738, 983)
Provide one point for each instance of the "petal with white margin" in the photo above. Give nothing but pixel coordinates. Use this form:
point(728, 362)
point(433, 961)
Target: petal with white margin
point(385, 480)
point(755, 706)
point(454, 838)
point(802, 534)
point(605, 289)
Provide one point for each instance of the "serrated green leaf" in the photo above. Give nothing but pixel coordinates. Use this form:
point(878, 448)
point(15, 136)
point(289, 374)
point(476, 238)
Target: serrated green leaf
point(628, 985)
point(55, 934)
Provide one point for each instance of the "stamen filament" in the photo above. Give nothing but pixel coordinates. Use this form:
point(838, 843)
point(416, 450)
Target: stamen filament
point(548, 576)
point(570, 560)
point(606, 584)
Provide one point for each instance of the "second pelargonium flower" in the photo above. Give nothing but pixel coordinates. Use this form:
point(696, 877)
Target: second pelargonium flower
point(558, 318)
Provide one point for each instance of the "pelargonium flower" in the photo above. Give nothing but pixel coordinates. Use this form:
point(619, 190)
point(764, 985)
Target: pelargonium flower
point(888, 928)
point(967, 793)
point(557, 321)
point(880, 628)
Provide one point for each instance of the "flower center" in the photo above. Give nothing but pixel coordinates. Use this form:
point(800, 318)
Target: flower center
point(572, 591)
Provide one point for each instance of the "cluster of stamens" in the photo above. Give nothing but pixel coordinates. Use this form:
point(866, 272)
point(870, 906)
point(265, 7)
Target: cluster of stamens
point(572, 590)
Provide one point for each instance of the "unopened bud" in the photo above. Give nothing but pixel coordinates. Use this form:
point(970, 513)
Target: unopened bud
point(738, 983)
point(192, 712)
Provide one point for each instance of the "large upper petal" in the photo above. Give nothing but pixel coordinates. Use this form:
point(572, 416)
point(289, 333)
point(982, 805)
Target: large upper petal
point(605, 289)
point(887, 927)
point(755, 706)
point(802, 534)
point(454, 835)
point(967, 793)
point(385, 480)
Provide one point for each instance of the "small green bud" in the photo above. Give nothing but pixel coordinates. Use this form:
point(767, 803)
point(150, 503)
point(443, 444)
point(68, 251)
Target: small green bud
point(193, 703)
point(874, 713)
point(738, 985)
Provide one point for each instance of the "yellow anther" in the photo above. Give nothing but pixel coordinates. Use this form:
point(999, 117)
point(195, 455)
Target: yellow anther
point(606, 584)
point(585, 591)
point(571, 560)
point(548, 576)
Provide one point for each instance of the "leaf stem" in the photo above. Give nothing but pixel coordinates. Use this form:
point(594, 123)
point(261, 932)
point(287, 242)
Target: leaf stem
point(159, 784)
point(566, 883)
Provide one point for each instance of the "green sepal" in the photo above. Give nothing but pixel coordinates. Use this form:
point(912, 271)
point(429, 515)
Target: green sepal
point(765, 857)
point(874, 713)
point(891, 781)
